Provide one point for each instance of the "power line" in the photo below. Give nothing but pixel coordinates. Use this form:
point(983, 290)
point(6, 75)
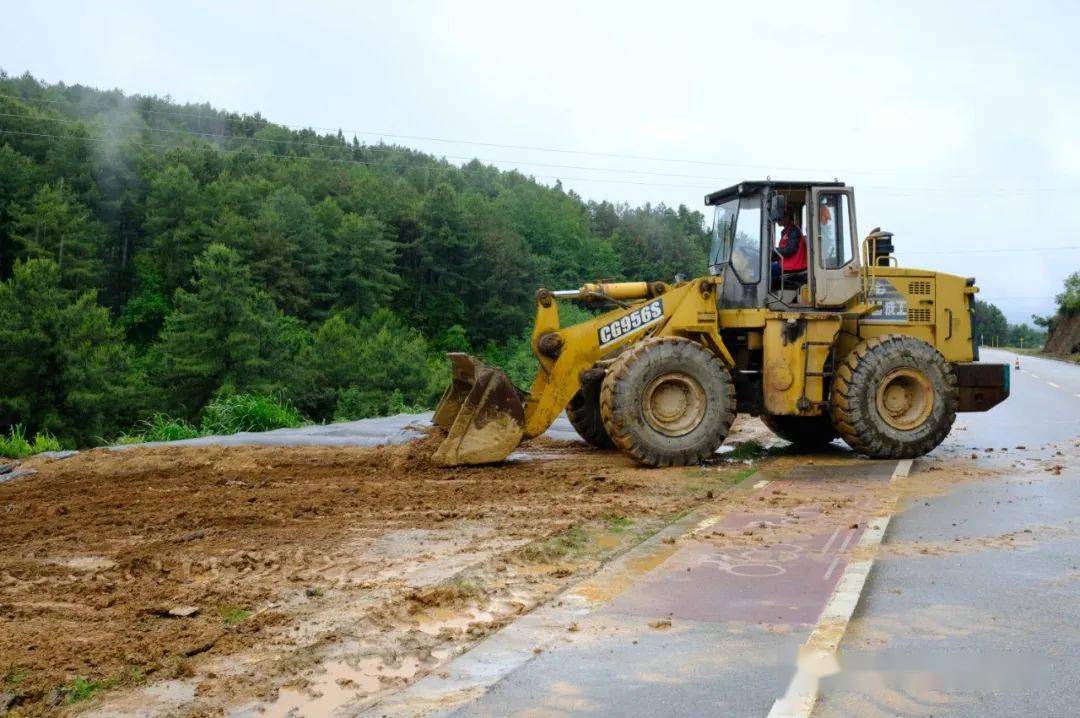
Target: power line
point(890, 190)
point(242, 138)
point(428, 168)
point(478, 143)
point(332, 160)
point(1013, 250)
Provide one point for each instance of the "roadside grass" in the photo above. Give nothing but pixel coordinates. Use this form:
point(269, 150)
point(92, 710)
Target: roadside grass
point(618, 524)
point(233, 615)
point(16, 446)
point(249, 412)
point(747, 450)
point(224, 415)
point(571, 542)
point(716, 480)
point(457, 591)
point(1071, 358)
point(160, 427)
point(81, 689)
point(13, 676)
point(1038, 352)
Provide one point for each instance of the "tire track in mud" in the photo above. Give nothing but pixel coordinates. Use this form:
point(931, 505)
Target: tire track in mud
point(275, 557)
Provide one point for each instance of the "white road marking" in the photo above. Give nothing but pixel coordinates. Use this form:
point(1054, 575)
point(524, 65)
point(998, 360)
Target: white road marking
point(847, 539)
point(1078, 396)
point(709, 521)
point(1056, 386)
point(903, 468)
point(1034, 376)
point(817, 657)
point(828, 544)
point(832, 567)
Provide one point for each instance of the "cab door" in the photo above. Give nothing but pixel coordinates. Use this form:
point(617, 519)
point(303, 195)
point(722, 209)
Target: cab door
point(834, 250)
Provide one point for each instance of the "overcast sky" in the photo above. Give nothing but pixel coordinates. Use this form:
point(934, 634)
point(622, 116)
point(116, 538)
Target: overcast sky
point(958, 123)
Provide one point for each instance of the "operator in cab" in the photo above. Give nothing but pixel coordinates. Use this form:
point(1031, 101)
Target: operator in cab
point(791, 249)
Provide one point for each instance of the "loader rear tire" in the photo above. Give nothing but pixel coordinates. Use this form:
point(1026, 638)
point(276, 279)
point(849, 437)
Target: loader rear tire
point(668, 402)
point(894, 397)
point(584, 414)
point(807, 432)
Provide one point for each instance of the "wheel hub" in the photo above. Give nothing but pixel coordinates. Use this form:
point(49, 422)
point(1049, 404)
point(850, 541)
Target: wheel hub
point(905, 398)
point(674, 404)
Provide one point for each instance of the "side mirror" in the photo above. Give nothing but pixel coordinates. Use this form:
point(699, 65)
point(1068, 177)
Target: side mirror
point(777, 207)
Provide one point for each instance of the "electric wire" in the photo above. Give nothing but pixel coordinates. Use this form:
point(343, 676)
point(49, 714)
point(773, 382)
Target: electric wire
point(244, 118)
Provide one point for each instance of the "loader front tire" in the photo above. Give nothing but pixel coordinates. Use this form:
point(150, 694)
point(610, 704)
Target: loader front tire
point(806, 432)
point(584, 414)
point(894, 397)
point(668, 402)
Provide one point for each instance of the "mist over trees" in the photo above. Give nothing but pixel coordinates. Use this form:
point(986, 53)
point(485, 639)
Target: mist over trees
point(156, 256)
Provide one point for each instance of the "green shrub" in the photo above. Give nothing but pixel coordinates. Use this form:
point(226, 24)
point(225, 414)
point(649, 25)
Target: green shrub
point(248, 412)
point(355, 403)
point(1069, 301)
point(160, 427)
point(16, 446)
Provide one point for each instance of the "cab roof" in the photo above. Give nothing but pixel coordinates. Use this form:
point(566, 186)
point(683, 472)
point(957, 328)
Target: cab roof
point(749, 187)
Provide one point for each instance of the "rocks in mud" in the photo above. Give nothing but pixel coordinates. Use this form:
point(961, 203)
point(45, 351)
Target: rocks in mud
point(55, 698)
point(183, 611)
point(16, 474)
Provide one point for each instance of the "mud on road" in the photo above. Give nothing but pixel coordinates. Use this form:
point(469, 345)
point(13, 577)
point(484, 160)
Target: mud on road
point(230, 573)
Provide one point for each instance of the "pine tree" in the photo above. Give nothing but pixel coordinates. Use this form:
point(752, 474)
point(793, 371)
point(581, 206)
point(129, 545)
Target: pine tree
point(55, 225)
point(221, 336)
point(174, 223)
point(363, 271)
point(64, 368)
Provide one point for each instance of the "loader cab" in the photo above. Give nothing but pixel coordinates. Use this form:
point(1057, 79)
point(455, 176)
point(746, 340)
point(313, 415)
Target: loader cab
point(746, 229)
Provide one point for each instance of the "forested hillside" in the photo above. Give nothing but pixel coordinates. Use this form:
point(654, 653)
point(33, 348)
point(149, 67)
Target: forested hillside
point(992, 329)
point(157, 257)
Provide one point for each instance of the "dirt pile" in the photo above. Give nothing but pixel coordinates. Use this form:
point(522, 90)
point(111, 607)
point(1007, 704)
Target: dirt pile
point(121, 567)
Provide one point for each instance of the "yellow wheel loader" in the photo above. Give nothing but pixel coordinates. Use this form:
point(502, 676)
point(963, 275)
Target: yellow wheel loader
point(854, 346)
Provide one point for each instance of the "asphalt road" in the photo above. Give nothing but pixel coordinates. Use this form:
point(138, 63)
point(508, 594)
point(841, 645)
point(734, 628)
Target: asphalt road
point(981, 623)
point(991, 629)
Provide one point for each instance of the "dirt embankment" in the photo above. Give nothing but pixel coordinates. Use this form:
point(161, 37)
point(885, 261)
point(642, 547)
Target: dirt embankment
point(123, 567)
point(1064, 338)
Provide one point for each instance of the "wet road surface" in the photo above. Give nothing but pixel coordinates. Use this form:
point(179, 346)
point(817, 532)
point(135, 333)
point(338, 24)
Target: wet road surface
point(990, 628)
point(970, 608)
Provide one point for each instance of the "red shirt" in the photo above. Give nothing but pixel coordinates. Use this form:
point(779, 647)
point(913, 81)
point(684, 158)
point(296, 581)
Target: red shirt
point(792, 249)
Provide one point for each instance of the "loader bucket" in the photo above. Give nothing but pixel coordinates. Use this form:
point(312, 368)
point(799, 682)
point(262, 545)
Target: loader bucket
point(481, 412)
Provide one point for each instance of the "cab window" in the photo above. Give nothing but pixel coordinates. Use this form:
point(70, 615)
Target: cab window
point(746, 248)
point(723, 235)
point(833, 237)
